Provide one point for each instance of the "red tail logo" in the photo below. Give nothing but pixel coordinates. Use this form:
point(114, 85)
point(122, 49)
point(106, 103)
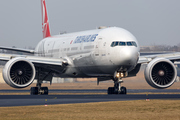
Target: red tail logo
point(45, 22)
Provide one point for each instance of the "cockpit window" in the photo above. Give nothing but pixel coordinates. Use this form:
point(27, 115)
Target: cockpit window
point(134, 43)
point(120, 43)
point(112, 44)
point(116, 43)
point(129, 43)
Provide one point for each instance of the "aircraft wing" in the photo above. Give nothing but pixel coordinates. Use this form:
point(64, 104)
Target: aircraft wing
point(171, 56)
point(17, 49)
point(48, 63)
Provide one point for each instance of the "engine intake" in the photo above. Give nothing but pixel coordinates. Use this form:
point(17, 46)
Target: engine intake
point(160, 73)
point(19, 72)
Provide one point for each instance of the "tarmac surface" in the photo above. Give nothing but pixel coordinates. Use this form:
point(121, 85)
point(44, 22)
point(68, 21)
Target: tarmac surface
point(28, 100)
point(96, 91)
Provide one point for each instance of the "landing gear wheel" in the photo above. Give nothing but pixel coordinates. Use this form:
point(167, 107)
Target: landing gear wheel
point(110, 90)
point(34, 91)
point(117, 89)
point(123, 90)
point(44, 91)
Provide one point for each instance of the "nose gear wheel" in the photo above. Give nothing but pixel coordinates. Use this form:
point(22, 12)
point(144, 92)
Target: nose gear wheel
point(117, 89)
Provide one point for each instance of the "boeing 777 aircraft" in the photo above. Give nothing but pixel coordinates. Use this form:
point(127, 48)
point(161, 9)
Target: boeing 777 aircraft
point(107, 53)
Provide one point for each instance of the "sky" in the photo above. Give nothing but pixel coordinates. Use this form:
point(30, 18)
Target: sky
point(152, 22)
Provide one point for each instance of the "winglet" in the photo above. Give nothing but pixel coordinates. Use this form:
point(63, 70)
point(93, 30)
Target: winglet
point(45, 22)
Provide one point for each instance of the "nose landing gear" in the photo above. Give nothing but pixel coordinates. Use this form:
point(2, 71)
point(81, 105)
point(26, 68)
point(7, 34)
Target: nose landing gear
point(117, 89)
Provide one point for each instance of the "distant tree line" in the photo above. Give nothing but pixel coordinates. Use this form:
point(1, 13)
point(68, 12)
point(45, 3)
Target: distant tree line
point(174, 48)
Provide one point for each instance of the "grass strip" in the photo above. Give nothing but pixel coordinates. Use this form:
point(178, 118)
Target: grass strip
point(140, 109)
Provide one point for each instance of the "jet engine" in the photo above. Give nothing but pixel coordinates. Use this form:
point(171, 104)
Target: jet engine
point(160, 73)
point(19, 72)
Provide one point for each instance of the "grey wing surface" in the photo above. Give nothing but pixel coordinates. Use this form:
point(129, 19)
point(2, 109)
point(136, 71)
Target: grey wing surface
point(170, 56)
point(17, 49)
point(43, 62)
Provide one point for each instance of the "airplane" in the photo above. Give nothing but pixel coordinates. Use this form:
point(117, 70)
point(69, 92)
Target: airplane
point(105, 53)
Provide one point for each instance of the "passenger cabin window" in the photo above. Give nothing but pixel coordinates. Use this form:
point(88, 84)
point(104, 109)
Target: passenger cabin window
point(120, 43)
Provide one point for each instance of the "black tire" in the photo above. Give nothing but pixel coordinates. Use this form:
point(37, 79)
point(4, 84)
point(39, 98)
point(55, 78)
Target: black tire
point(123, 90)
point(45, 89)
point(110, 90)
point(34, 91)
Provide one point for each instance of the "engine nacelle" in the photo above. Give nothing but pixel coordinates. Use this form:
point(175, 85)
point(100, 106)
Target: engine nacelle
point(19, 72)
point(160, 73)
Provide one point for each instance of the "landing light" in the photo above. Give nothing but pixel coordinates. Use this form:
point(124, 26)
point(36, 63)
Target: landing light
point(117, 75)
point(122, 75)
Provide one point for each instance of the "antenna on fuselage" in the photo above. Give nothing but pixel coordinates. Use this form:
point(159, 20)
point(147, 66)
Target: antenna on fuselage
point(63, 32)
point(102, 27)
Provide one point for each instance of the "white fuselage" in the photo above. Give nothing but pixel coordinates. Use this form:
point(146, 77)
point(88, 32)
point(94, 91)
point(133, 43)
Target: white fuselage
point(91, 53)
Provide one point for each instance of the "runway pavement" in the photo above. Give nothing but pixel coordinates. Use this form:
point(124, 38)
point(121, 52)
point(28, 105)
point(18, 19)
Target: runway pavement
point(95, 91)
point(27, 100)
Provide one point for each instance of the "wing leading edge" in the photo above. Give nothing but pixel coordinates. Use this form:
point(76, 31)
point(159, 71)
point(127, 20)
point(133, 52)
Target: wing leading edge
point(18, 49)
point(49, 63)
point(169, 56)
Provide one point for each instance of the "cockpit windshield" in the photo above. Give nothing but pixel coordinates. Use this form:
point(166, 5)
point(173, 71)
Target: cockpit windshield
point(129, 43)
point(116, 44)
point(120, 43)
point(134, 43)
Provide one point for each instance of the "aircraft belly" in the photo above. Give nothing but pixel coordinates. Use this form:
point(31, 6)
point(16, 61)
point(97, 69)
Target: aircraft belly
point(91, 71)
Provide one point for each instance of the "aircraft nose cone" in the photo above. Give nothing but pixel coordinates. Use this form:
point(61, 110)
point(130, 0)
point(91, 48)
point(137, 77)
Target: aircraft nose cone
point(129, 56)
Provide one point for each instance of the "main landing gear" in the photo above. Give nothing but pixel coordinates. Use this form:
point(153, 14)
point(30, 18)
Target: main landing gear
point(117, 89)
point(38, 90)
